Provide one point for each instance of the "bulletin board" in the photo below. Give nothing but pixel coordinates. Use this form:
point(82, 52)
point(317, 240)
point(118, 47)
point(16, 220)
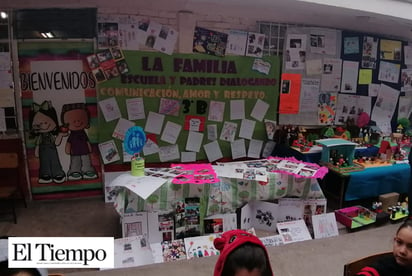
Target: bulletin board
point(370, 69)
point(331, 49)
point(188, 91)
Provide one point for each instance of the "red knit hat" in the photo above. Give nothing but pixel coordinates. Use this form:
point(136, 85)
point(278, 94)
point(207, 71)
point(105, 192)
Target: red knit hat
point(231, 240)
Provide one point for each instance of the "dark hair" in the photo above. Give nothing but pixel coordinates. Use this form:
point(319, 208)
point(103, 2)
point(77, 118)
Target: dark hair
point(248, 256)
point(74, 106)
point(405, 224)
point(50, 112)
point(6, 271)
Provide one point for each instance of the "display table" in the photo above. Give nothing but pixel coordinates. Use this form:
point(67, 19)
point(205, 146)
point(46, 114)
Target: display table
point(222, 197)
point(365, 184)
point(314, 155)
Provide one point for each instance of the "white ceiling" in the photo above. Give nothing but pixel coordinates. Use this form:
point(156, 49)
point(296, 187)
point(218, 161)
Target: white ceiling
point(387, 17)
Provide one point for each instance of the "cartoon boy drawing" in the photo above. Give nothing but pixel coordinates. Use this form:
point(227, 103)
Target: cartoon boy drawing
point(76, 117)
point(44, 128)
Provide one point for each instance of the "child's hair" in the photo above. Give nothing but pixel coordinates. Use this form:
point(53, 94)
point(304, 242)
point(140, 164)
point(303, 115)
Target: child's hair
point(241, 250)
point(48, 110)
point(74, 106)
point(6, 271)
point(405, 224)
point(248, 256)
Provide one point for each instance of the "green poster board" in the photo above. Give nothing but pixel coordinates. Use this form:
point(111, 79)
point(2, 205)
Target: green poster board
point(194, 80)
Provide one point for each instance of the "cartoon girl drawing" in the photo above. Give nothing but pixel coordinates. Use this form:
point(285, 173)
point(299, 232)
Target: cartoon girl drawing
point(76, 117)
point(44, 127)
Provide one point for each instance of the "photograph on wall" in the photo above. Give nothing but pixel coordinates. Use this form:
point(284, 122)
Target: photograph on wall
point(254, 47)
point(64, 159)
point(369, 52)
point(236, 42)
point(107, 34)
point(209, 42)
point(350, 45)
point(295, 51)
point(390, 49)
point(323, 41)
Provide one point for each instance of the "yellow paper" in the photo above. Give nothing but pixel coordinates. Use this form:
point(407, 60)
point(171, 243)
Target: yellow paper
point(365, 76)
point(390, 49)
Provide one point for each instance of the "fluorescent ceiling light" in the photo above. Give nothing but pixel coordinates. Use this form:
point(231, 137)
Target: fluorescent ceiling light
point(3, 15)
point(47, 35)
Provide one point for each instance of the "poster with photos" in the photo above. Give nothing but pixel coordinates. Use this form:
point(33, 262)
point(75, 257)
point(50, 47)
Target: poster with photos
point(209, 42)
point(369, 52)
point(107, 34)
point(254, 47)
point(295, 51)
point(109, 152)
point(107, 64)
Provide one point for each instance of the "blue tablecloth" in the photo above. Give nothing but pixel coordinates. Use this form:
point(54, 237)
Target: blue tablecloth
point(373, 182)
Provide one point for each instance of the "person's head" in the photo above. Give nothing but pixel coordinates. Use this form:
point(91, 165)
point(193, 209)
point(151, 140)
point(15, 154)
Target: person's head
point(402, 244)
point(241, 254)
point(43, 118)
point(76, 116)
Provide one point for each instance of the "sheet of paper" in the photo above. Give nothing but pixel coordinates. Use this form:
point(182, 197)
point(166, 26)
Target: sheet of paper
point(373, 89)
point(110, 109)
point(228, 131)
point(216, 111)
point(171, 132)
point(268, 149)
point(213, 151)
point(150, 147)
point(261, 66)
point(313, 67)
point(407, 50)
point(259, 110)
point(247, 128)
point(254, 46)
point(325, 226)
point(331, 75)
point(166, 40)
point(349, 76)
point(5, 61)
point(390, 49)
point(154, 123)
point(169, 153)
point(350, 106)
point(169, 107)
point(405, 106)
point(309, 95)
point(135, 109)
point(212, 132)
point(194, 141)
point(121, 128)
point(270, 127)
point(406, 80)
point(7, 97)
point(143, 186)
point(351, 45)
point(187, 156)
point(385, 104)
point(365, 76)
point(255, 148)
point(326, 108)
point(236, 42)
point(290, 93)
point(389, 72)
point(237, 109)
point(295, 51)
point(369, 52)
point(108, 151)
point(323, 41)
point(238, 148)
